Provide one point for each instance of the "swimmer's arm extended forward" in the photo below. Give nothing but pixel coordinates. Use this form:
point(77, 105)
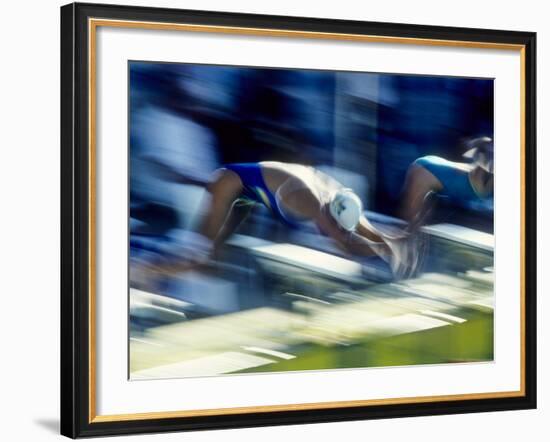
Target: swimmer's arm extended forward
point(364, 241)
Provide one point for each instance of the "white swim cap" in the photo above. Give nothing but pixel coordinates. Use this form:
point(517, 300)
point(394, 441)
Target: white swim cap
point(480, 152)
point(346, 208)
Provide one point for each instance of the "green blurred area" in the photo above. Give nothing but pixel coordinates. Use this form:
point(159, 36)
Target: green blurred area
point(471, 341)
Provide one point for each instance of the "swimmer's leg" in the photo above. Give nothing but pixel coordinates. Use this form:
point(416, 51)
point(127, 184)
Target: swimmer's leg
point(222, 193)
point(419, 183)
point(195, 248)
point(238, 213)
point(423, 216)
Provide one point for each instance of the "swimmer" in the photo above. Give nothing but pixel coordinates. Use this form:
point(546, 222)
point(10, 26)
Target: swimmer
point(294, 194)
point(461, 182)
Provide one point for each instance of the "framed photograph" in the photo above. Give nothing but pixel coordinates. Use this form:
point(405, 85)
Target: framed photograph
point(274, 220)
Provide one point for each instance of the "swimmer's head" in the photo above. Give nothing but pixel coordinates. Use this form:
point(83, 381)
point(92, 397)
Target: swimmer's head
point(346, 208)
point(480, 151)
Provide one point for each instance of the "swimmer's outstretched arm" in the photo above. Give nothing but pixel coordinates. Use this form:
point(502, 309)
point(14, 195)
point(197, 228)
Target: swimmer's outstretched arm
point(362, 242)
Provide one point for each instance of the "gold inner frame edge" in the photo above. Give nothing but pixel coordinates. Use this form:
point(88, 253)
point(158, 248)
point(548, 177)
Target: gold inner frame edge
point(93, 23)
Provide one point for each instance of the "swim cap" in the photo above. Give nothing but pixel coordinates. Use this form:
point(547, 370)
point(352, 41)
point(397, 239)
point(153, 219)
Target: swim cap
point(346, 208)
point(480, 152)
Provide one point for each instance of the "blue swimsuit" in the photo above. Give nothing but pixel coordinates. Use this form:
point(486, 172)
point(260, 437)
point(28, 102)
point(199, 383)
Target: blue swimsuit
point(256, 191)
point(455, 181)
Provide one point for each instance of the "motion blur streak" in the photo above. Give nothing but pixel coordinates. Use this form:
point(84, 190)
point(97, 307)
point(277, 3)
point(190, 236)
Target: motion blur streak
point(273, 298)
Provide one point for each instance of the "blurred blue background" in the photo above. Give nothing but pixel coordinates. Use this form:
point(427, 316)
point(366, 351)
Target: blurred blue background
point(366, 128)
point(276, 299)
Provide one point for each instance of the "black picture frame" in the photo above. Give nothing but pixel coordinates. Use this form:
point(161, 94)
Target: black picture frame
point(77, 417)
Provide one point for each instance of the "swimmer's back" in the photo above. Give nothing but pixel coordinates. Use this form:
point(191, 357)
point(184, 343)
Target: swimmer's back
point(454, 177)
